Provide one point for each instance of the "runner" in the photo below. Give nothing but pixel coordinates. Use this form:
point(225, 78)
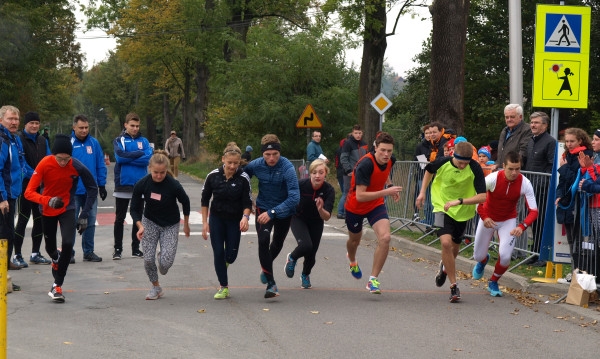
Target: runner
point(316, 203)
point(230, 209)
point(155, 213)
point(499, 213)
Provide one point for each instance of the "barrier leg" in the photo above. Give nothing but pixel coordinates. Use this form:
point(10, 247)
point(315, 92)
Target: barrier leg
point(3, 302)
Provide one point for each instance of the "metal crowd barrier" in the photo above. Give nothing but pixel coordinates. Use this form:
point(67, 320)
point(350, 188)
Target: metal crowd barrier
point(585, 233)
point(405, 216)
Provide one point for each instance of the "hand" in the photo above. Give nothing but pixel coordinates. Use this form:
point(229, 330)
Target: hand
point(4, 207)
point(56, 202)
point(102, 192)
point(517, 231)
point(81, 225)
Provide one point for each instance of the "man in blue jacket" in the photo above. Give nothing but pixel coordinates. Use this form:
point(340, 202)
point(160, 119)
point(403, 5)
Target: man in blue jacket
point(132, 154)
point(11, 179)
point(314, 150)
point(89, 152)
point(278, 196)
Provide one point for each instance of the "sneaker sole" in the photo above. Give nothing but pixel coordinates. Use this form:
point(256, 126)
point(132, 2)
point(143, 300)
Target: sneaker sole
point(440, 276)
point(269, 295)
point(454, 299)
point(56, 300)
point(40, 262)
point(494, 293)
point(285, 267)
point(154, 298)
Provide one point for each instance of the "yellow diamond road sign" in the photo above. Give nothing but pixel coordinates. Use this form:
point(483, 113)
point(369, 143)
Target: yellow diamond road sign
point(381, 103)
point(562, 56)
point(309, 119)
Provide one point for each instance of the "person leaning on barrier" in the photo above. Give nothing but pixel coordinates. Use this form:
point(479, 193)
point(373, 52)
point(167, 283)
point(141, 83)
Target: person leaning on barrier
point(457, 187)
point(515, 135)
point(499, 214)
point(539, 157)
point(576, 141)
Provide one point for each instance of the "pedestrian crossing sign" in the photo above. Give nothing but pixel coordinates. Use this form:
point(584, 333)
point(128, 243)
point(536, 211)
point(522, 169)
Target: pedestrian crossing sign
point(562, 50)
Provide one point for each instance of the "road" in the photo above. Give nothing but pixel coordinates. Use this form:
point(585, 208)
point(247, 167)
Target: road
point(106, 316)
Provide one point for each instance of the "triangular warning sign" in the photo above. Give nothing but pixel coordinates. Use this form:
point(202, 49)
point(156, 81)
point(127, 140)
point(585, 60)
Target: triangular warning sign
point(309, 119)
point(563, 35)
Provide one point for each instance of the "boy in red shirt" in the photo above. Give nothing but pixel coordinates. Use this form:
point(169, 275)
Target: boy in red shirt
point(58, 175)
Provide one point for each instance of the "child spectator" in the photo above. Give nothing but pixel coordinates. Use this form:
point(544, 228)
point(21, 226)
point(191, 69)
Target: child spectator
point(485, 159)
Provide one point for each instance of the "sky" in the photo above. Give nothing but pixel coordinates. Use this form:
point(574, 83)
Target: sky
point(401, 48)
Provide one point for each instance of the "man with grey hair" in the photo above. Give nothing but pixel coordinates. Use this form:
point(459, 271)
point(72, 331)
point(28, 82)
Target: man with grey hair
point(539, 157)
point(11, 180)
point(516, 134)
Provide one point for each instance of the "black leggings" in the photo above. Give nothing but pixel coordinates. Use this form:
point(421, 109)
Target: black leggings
point(269, 250)
point(67, 232)
point(121, 205)
point(308, 236)
point(27, 208)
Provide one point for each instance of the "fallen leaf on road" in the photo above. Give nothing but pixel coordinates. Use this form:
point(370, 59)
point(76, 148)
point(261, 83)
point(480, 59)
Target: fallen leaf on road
point(314, 311)
point(67, 343)
point(201, 310)
point(328, 323)
point(106, 292)
point(265, 309)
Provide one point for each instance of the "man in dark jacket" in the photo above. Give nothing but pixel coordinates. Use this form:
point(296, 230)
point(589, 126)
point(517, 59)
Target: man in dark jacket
point(516, 134)
point(539, 157)
point(35, 147)
point(354, 148)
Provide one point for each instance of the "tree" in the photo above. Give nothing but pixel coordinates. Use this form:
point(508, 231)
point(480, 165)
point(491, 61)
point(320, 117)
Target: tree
point(368, 19)
point(446, 83)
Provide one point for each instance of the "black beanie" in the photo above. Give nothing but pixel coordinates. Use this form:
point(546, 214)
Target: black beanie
point(31, 116)
point(62, 144)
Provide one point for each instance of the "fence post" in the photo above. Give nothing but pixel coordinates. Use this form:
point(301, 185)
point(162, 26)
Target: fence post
point(3, 301)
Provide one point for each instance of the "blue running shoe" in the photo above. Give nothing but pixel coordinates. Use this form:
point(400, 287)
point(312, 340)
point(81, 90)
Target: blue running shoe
point(373, 286)
point(355, 271)
point(494, 290)
point(290, 266)
point(479, 268)
point(263, 277)
point(306, 281)
point(271, 291)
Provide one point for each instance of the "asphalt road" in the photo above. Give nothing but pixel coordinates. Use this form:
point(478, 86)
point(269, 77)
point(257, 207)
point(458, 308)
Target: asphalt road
point(106, 315)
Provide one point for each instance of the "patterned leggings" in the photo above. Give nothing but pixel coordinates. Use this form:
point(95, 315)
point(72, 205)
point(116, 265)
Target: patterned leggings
point(153, 235)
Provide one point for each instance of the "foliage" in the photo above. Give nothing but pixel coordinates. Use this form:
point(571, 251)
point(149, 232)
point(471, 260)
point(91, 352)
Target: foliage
point(486, 75)
point(40, 60)
point(268, 90)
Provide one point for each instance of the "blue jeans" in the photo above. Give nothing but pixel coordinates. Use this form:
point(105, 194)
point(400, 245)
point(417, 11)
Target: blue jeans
point(87, 239)
point(341, 209)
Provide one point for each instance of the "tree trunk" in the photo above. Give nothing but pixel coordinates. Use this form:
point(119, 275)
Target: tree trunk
point(446, 84)
point(167, 120)
point(371, 68)
point(151, 135)
point(200, 108)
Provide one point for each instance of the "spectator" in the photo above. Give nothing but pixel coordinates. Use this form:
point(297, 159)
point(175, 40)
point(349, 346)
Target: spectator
point(484, 160)
point(174, 149)
point(576, 141)
point(438, 138)
point(247, 156)
point(515, 135)
point(12, 165)
point(35, 147)
point(314, 150)
point(89, 152)
point(46, 135)
point(339, 169)
point(354, 148)
point(422, 153)
point(539, 157)
point(132, 154)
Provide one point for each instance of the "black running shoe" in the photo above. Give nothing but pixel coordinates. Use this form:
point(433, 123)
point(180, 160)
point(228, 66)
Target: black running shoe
point(454, 293)
point(440, 277)
point(56, 294)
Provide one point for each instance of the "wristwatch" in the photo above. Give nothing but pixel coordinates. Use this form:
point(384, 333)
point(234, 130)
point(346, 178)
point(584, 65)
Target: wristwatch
point(273, 213)
point(460, 200)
